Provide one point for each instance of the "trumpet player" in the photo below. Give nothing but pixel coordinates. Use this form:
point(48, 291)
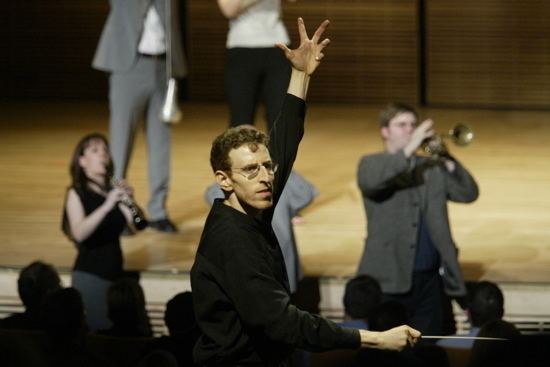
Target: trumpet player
point(409, 248)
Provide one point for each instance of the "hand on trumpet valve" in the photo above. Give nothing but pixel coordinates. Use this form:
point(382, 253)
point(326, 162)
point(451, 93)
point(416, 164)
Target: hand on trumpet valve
point(421, 134)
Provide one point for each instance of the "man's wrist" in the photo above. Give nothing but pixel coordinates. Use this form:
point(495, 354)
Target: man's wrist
point(299, 83)
point(369, 339)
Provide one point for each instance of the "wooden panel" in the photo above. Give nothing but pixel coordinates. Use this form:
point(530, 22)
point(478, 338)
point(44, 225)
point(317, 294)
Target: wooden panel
point(372, 57)
point(488, 53)
point(503, 236)
point(51, 48)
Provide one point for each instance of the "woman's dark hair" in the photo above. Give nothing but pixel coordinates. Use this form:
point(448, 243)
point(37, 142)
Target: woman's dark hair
point(79, 180)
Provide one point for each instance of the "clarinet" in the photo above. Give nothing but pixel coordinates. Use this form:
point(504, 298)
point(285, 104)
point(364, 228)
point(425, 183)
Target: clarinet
point(138, 218)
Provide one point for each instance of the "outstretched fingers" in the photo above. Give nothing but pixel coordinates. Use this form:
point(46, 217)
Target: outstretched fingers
point(285, 49)
point(302, 30)
point(320, 30)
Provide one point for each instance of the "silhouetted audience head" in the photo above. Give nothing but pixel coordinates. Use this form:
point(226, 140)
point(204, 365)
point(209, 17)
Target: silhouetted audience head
point(126, 309)
point(362, 295)
point(179, 316)
point(489, 353)
point(159, 358)
point(387, 315)
point(486, 303)
point(63, 314)
point(35, 282)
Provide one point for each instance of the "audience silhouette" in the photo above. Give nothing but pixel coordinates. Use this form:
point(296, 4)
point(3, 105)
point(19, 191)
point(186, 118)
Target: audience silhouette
point(34, 283)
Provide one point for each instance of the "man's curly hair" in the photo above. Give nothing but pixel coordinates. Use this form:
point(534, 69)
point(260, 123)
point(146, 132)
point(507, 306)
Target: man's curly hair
point(234, 138)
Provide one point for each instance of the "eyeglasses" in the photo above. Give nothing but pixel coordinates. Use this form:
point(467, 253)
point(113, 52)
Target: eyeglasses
point(252, 170)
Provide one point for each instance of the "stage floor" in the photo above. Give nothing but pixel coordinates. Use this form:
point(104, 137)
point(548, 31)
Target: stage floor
point(504, 236)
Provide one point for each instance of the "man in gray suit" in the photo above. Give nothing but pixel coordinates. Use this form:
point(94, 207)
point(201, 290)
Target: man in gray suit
point(132, 49)
point(409, 248)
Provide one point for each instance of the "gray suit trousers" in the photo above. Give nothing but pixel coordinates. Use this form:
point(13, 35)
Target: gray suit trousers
point(134, 94)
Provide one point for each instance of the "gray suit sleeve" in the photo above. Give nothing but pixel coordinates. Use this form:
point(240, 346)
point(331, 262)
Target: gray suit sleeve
point(300, 192)
point(379, 172)
point(461, 186)
point(212, 193)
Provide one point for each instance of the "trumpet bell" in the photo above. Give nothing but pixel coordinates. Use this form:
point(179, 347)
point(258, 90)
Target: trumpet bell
point(461, 135)
point(170, 112)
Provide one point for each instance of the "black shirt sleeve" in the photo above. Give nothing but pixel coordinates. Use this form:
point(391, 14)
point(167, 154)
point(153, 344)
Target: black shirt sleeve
point(284, 138)
point(264, 305)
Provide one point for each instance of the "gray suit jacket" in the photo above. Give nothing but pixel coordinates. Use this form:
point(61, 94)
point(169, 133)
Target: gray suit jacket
point(394, 196)
point(117, 49)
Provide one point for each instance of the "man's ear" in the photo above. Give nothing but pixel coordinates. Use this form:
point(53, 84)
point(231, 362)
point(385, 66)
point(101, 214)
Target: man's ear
point(223, 179)
point(384, 132)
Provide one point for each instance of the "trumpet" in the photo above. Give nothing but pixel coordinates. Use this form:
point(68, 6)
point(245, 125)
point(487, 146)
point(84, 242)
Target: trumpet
point(461, 135)
point(138, 218)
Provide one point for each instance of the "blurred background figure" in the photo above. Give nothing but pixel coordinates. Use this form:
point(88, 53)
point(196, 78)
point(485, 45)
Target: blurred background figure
point(126, 310)
point(94, 218)
point(35, 282)
point(497, 353)
point(183, 329)
point(361, 297)
point(486, 304)
point(409, 246)
point(256, 70)
point(66, 329)
point(133, 49)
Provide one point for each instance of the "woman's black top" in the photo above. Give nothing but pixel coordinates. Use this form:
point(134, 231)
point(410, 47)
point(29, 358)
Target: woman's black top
point(100, 254)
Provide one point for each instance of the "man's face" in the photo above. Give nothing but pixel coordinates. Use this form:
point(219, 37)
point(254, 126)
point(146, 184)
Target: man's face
point(251, 195)
point(399, 131)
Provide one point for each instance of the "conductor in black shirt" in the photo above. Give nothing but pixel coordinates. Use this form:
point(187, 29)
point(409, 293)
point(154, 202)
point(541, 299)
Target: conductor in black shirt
point(240, 286)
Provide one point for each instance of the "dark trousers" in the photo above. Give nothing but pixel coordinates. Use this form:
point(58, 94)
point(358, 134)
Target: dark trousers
point(253, 75)
point(423, 302)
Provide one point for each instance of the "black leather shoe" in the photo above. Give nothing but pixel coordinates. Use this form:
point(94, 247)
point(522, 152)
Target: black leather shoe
point(163, 225)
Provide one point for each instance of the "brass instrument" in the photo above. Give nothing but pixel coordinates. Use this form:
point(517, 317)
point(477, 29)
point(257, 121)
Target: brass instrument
point(138, 218)
point(461, 135)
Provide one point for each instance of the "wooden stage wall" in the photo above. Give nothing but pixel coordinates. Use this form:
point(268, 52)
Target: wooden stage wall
point(491, 53)
point(504, 236)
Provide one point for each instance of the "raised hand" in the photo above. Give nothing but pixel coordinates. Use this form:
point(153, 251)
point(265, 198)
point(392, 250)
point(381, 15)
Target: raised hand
point(421, 133)
point(309, 53)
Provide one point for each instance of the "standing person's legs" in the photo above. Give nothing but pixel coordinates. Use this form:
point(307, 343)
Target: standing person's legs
point(94, 296)
point(423, 302)
point(158, 146)
point(242, 80)
point(427, 304)
point(276, 78)
point(127, 102)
